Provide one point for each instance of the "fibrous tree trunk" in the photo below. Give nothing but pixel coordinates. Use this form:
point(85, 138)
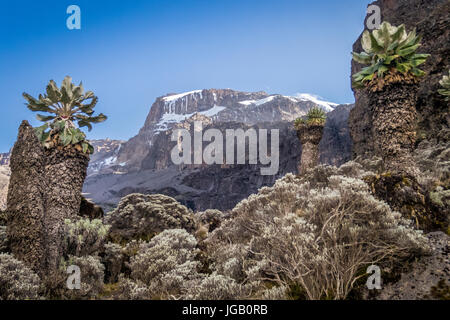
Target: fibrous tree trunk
point(44, 190)
point(309, 136)
point(25, 203)
point(394, 126)
point(64, 176)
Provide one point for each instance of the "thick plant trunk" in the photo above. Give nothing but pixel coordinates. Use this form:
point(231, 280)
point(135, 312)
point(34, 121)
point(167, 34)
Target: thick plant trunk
point(309, 136)
point(25, 203)
point(394, 126)
point(44, 190)
point(64, 175)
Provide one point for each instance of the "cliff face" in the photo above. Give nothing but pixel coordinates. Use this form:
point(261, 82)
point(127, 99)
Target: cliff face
point(336, 145)
point(432, 21)
point(105, 154)
point(221, 105)
point(203, 186)
point(143, 164)
point(5, 172)
point(4, 179)
point(4, 159)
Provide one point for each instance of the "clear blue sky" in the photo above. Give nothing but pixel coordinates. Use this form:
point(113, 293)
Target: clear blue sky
point(130, 52)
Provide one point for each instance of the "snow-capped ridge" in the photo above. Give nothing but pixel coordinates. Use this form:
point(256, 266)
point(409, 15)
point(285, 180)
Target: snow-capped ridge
point(328, 106)
point(258, 102)
point(175, 97)
point(171, 118)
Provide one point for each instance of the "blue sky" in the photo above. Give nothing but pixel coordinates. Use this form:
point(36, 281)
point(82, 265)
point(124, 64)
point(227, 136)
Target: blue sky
point(130, 52)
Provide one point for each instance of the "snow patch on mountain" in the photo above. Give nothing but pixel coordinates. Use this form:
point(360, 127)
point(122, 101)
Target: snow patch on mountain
point(171, 100)
point(180, 95)
point(326, 105)
point(172, 118)
point(258, 102)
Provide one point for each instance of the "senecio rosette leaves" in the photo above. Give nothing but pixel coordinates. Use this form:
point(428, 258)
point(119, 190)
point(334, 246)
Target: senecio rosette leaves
point(315, 116)
point(388, 50)
point(64, 107)
point(445, 83)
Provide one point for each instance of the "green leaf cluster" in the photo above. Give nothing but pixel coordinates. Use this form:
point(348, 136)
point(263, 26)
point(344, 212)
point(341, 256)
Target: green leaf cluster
point(315, 116)
point(388, 49)
point(64, 134)
point(62, 108)
point(445, 84)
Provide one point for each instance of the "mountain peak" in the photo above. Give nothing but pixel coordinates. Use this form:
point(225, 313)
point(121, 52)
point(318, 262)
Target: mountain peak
point(326, 105)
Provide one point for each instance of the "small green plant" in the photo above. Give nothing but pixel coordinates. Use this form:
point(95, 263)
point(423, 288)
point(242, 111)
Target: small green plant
point(315, 116)
point(389, 50)
point(445, 83)
point(65, 106)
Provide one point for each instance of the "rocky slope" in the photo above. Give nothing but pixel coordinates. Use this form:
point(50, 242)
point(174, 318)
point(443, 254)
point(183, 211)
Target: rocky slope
point(4, 159)
point(4, 179)
point(105, 154)
point(143, 164)
point(427, 278)
point(212, 186)
point(432, 21)
point(219, 105)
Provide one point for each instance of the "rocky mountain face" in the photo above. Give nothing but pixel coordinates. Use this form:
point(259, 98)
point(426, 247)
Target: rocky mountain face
point(219, 105)
point(143, 164)
point(4, 182)
point(105, 154)
point(432, 21)
point(5, 172)
point(4, 159)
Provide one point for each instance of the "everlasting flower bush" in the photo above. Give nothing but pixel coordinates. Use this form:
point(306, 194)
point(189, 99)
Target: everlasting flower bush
point(140, 216)
point(92, 275)
point(166, 264)
point(84, 236)
point(315, 233)
point(17, 281)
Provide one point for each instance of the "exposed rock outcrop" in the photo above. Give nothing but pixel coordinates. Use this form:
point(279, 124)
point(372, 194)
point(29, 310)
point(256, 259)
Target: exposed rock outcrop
point(427, 278)
point(405, 195)
point(4, 159)
point(202, 187)
point(90, 210)
point(5, 172)
point(335, 148)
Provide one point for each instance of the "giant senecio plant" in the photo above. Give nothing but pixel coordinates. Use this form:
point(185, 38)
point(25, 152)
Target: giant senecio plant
point(391, 55)
point(315, 116)
point(64, 107)
point(309, 132)
point(391, 83)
